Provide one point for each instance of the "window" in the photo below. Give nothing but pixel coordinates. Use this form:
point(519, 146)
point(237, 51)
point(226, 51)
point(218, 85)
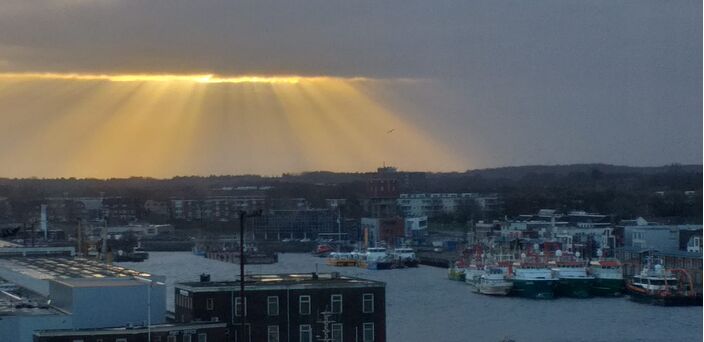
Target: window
point(337, 332)
point(238, 306)
point(272, 305)
point(305, 333)
point(171, 339)
point(336, 303)
point(202, 337)
point(186, 338)
point(368, 329)
point(368, 303)
point(272, 333)
point(209, 304)
point(304, 305)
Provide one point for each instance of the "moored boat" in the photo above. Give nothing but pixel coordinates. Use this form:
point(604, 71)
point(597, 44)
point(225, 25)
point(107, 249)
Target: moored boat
point(608, 278)
point(322, 251)
point(456, 271)
point(657, 285)
point(494, 282)
point(375, 258)
point(533, 280)
point(406, 256)
point(573, 279)
point(341, 259)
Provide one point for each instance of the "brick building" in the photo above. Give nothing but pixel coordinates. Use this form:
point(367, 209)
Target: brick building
point(289, 307)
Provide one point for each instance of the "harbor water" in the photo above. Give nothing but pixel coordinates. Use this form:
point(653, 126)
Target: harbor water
point(422, 305)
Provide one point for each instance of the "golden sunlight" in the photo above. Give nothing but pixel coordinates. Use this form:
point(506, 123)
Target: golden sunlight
point(165, 125)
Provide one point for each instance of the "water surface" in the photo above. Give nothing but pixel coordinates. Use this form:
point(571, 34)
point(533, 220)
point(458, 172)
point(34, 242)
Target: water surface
point(422, 305)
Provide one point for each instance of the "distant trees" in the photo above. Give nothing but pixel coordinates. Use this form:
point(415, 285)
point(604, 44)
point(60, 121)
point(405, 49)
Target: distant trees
point(624, 192)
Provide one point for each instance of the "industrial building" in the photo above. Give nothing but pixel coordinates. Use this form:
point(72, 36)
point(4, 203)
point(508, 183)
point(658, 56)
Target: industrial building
point(50, 289)
point(289, 307)
point(298, 224)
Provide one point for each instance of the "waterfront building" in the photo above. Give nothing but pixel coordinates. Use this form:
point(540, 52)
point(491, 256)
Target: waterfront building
point(389, 231)
point(297, 224)
point(75, 293)
point(437, 204)
point(289, 307)
point(157, 208)
point(664, 238)
point(222, 204)
point(416, 227)
point(23, 311)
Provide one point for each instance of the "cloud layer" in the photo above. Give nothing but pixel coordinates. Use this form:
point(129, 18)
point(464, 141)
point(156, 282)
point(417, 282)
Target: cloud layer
point(509, 82)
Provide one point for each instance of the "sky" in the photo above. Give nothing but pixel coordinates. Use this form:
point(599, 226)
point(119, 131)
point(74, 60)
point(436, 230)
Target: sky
point(111, 88)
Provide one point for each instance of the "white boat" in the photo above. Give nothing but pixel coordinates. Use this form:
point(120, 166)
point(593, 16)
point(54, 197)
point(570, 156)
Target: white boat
point(472, 273)
point(494, 282)
point(405, 256)
point(375, 258)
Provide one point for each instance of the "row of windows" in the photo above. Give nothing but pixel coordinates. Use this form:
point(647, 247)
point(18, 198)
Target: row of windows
point(305, 333)
point(272, 304)
point(185, 301)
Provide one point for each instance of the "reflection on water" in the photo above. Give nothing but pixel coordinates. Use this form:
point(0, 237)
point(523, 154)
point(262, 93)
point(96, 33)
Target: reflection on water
point(423, 306)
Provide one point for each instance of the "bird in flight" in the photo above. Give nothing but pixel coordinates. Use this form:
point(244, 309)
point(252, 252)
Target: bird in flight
point(391, 130)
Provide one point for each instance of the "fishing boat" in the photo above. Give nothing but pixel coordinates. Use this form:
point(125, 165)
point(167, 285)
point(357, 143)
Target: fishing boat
point(136, 255)
point(472, 274)
point(456, 271)
point(573, 278)
point(375, 258)
point(341, 259)
point(657, 285)
point(608, 277)
point(494, 282)
point(322, 251)
point(406, 256)
point(533, 279)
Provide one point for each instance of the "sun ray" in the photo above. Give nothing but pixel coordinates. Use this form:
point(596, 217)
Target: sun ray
point(165, 125)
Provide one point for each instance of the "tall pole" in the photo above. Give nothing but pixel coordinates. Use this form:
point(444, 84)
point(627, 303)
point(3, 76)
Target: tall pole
point(339, 228)
point(243, 319)
point(243, 214)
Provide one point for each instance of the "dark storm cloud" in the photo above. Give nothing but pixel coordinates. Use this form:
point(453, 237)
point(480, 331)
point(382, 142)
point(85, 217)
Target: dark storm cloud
point(520, 81)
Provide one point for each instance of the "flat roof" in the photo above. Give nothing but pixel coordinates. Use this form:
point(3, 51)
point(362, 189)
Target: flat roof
point(64, 267)
point(276, 281)
point(100, 282)
point(129, 330)
point(26, 304)
point(5, 244)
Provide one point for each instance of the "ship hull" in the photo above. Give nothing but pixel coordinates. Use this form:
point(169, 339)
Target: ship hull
point(455, 275)
point(534, 288)
point(375, 265)
point(410, 262)
point(640, 296)
point(574, 287)
point(608, 287)
point(495, 290)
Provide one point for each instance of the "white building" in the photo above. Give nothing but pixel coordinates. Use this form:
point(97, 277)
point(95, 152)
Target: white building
point(434, 204)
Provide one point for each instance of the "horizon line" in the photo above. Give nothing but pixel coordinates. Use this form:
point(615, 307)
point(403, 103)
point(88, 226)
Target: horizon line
point(299, 173)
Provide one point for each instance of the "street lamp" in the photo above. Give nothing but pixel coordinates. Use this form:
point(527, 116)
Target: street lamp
point(243, 216)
